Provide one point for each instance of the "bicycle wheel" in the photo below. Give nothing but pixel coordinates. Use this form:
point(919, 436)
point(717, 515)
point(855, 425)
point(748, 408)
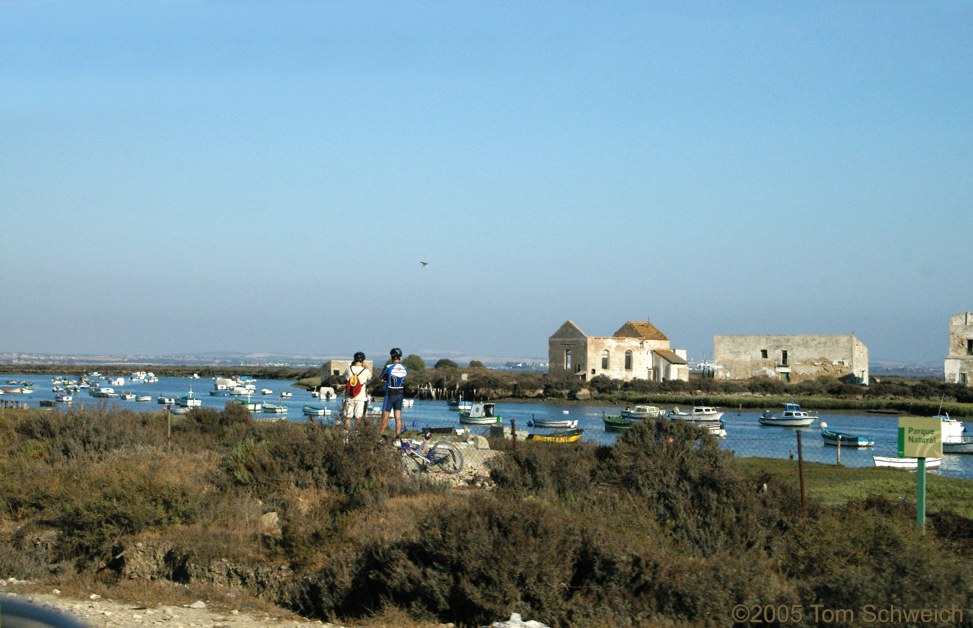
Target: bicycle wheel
point(446, 456)
point(410, 464)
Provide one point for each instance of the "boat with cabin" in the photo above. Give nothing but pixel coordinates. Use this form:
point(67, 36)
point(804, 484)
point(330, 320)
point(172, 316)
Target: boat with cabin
point(641, 412)
point(792, 416)
point(480, 413)
point(697, 414)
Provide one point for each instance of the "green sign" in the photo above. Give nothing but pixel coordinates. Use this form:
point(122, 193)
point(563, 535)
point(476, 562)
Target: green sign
point(920, 437)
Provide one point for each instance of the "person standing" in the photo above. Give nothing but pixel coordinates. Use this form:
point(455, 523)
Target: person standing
point(356, 395)
point(394, 377)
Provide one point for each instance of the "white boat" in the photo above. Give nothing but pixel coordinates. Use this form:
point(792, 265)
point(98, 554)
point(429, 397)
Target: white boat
point(180, 410)
point(266, 391)
point(252, 406)
point(698, 414)
point(286, 394)
point(165, 400)
point(408, 402)
point(127, 396)
point(273, 408)
point(461, 405)
point(143, 397)
point(190, 401)
point(952, 428)
point(557, 424)
point(792, 416)
point(63, 397)
point(104, 392)
point(481, 413)
point(641, 412)
point(905, 463)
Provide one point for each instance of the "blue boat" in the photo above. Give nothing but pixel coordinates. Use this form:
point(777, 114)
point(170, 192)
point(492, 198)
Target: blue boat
point(843, 439)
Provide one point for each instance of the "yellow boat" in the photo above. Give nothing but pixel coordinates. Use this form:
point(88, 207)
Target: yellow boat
point(557, 436)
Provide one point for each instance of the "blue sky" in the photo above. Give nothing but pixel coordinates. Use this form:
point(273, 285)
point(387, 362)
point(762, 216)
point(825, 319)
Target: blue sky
point(265, 177)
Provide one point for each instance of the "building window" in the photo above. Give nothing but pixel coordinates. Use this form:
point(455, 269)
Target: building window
point(604, 360)
point(567, 359)
point(964, 379)
point(783, 357)
point(763, 354)
point(628, 360)
point(969, 346)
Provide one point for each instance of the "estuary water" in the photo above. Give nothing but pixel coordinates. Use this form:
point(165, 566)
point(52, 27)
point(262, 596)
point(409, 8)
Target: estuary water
point(745, 436)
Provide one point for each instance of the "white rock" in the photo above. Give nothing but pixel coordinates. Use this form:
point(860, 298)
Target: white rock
point(198, 604)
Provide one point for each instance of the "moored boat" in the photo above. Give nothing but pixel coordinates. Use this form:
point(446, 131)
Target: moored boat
point(958, 446)
point(792, 416)
point(557, 424)
point(617, 423)
point(697, 414)
point(843, 439)
point(310, 410)
point(557, 436)
point(274, 408)
point(912, 464)
point(481, 413)
point(640, 412)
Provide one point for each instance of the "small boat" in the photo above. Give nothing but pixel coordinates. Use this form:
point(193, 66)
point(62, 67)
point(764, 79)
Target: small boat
point(63, 397)
point(481, 413)
point(274, 408)
point(143, 397)
point(617, 423)
point(844, 439)
point(266, 391)
point(557, 424)
point(127, 396)
point(252, 406)
point(180, 410)
point(461, 405)
point(286, 394)
point(103, 392)
point(952, 428)
point(958, 446)
point(189, 400)
point(310, 410)
point(905, 463)
point(408, 402)
point(165, 400)
point(557, 436)
point(792, 416)
point(697, 414)
point(640, 412)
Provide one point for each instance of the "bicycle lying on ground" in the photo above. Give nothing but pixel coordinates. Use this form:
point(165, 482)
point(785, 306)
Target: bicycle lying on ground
point(418, 455)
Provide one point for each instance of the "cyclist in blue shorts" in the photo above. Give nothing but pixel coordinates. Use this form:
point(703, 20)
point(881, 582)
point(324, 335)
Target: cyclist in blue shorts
point(394, 376)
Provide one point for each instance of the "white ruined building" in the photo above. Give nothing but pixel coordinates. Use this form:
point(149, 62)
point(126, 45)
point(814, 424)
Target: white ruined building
point(638, 350)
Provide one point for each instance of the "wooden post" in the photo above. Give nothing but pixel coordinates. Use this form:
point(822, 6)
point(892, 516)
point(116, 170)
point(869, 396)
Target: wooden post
point(838, 461)
point(513, 434)
point(800, 474)
point(921, 495)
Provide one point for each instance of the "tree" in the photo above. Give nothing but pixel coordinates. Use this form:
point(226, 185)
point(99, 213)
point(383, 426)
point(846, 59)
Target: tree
point(414, 363)
point(476, 364)
point(446, 363)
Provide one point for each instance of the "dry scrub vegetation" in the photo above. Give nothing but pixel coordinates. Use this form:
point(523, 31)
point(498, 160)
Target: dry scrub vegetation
point(662, 528)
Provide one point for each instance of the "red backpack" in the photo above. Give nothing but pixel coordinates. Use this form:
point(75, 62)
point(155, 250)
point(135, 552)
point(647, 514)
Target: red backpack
point(354, 385)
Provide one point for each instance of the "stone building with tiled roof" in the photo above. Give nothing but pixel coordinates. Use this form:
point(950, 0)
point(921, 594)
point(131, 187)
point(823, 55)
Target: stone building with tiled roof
point(638, 350)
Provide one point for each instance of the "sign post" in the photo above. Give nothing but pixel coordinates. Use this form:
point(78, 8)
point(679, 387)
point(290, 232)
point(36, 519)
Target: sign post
point(920, 438)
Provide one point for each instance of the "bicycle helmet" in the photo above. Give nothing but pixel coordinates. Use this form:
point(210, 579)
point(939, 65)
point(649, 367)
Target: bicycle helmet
point(396, 353)
point(359, 357)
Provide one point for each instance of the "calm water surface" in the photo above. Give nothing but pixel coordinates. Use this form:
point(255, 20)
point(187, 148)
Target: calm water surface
point(745, 436)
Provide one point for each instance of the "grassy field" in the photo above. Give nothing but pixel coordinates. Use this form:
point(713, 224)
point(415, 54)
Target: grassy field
point(837, 485)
